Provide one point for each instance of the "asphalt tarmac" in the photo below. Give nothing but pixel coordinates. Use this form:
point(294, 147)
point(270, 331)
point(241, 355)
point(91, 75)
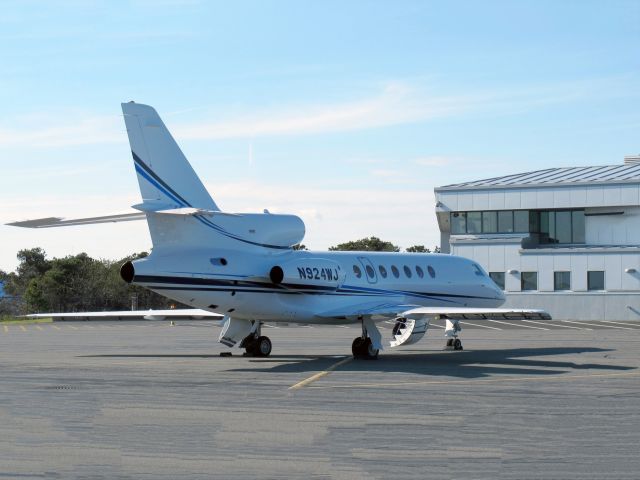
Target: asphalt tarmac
point(124, 400)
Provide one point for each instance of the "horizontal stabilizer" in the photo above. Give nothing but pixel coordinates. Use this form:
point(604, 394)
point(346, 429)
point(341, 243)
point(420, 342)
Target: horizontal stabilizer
point(50, 222)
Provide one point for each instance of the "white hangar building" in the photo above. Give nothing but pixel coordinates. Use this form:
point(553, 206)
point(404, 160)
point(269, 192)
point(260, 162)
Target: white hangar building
point(563, 239)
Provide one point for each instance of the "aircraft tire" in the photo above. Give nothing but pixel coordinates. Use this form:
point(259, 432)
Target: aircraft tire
point(457, 344)
point(370, 352)
point(358, 347)
point(262, 347)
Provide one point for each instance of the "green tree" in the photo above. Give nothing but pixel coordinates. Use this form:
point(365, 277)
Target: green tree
point(33, 264)
point(370, 244)
point(418, 249)
point(300, 246)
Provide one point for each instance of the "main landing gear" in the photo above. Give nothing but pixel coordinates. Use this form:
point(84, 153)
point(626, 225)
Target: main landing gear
point(362, 347)
point(452, 329)
point(257, 345)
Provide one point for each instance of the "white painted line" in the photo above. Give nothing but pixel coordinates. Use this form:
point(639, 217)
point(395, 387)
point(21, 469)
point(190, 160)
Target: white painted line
point(637, 325)
point(555, 325)
point(597, 325)
point(479, 325)
point(517, 325)
point(436, 325)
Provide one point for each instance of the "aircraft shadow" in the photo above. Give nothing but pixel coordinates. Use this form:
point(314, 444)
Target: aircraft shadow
point(464, 364)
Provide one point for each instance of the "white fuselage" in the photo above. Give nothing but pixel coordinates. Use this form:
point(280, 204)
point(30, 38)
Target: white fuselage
point(238, 283)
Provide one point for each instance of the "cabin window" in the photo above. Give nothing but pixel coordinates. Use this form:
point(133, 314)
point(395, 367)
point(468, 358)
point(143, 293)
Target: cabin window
point(395, 271)
point(370, 271)
point(419, 271)
point(407, 271)
point(432, 272)
point(357, 271)
point(218, 261)
point(383, 271)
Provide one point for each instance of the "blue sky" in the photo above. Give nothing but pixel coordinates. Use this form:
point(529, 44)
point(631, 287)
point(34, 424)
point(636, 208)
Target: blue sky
point(345, 113)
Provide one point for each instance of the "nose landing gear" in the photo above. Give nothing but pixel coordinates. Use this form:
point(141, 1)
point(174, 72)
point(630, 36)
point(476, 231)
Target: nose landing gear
point(452, 329)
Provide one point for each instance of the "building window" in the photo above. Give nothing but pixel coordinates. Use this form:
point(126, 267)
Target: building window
point(489, 222)
point(458, 222)
point(528, 281)
point(553, 226)
point(561, 281)
point(595, 280)
point(521, 221)
point(498, 279)
point(505, 221)
point(474, 222)
point(577, 226)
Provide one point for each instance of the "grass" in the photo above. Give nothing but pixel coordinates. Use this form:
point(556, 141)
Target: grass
point(23, 321)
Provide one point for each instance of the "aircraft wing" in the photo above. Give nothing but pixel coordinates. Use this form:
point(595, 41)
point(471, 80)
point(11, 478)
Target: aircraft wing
point(50, 222)
point(389, 310)
point(184, 314)
point(375, 310)
point(464, 313)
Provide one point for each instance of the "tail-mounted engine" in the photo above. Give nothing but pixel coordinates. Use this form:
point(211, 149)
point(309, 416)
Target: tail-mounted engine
point(409, 330)
point(308, 273)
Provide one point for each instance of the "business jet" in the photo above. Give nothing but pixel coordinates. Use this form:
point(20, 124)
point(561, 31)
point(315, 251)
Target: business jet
point(243, 265)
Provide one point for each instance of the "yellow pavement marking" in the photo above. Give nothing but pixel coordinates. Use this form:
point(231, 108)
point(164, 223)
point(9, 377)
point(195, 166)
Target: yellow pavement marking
point(6, 329)
point(485, 380)
point(22, 328)
point(56, 327)
point(319, 375)
point(38, 327)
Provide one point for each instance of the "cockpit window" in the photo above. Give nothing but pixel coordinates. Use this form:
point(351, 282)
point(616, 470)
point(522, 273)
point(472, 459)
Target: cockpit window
point(357, 271)
point(478, 270)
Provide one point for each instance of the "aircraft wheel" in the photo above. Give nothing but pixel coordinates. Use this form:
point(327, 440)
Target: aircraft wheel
point(262, 347)
point(358, 347)
point(457, 344)
point(370, 351)
point(450, 342)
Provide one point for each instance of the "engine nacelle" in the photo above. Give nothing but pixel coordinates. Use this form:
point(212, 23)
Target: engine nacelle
point(407, 331)
point(308, 272)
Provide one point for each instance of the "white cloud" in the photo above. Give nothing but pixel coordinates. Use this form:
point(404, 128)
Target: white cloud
point(397, 103)
point(42, 131)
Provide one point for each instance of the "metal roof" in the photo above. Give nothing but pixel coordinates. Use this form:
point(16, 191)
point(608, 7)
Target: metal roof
point(559, 176)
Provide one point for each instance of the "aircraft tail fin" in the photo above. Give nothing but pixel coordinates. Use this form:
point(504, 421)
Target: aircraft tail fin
point(164, 174)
